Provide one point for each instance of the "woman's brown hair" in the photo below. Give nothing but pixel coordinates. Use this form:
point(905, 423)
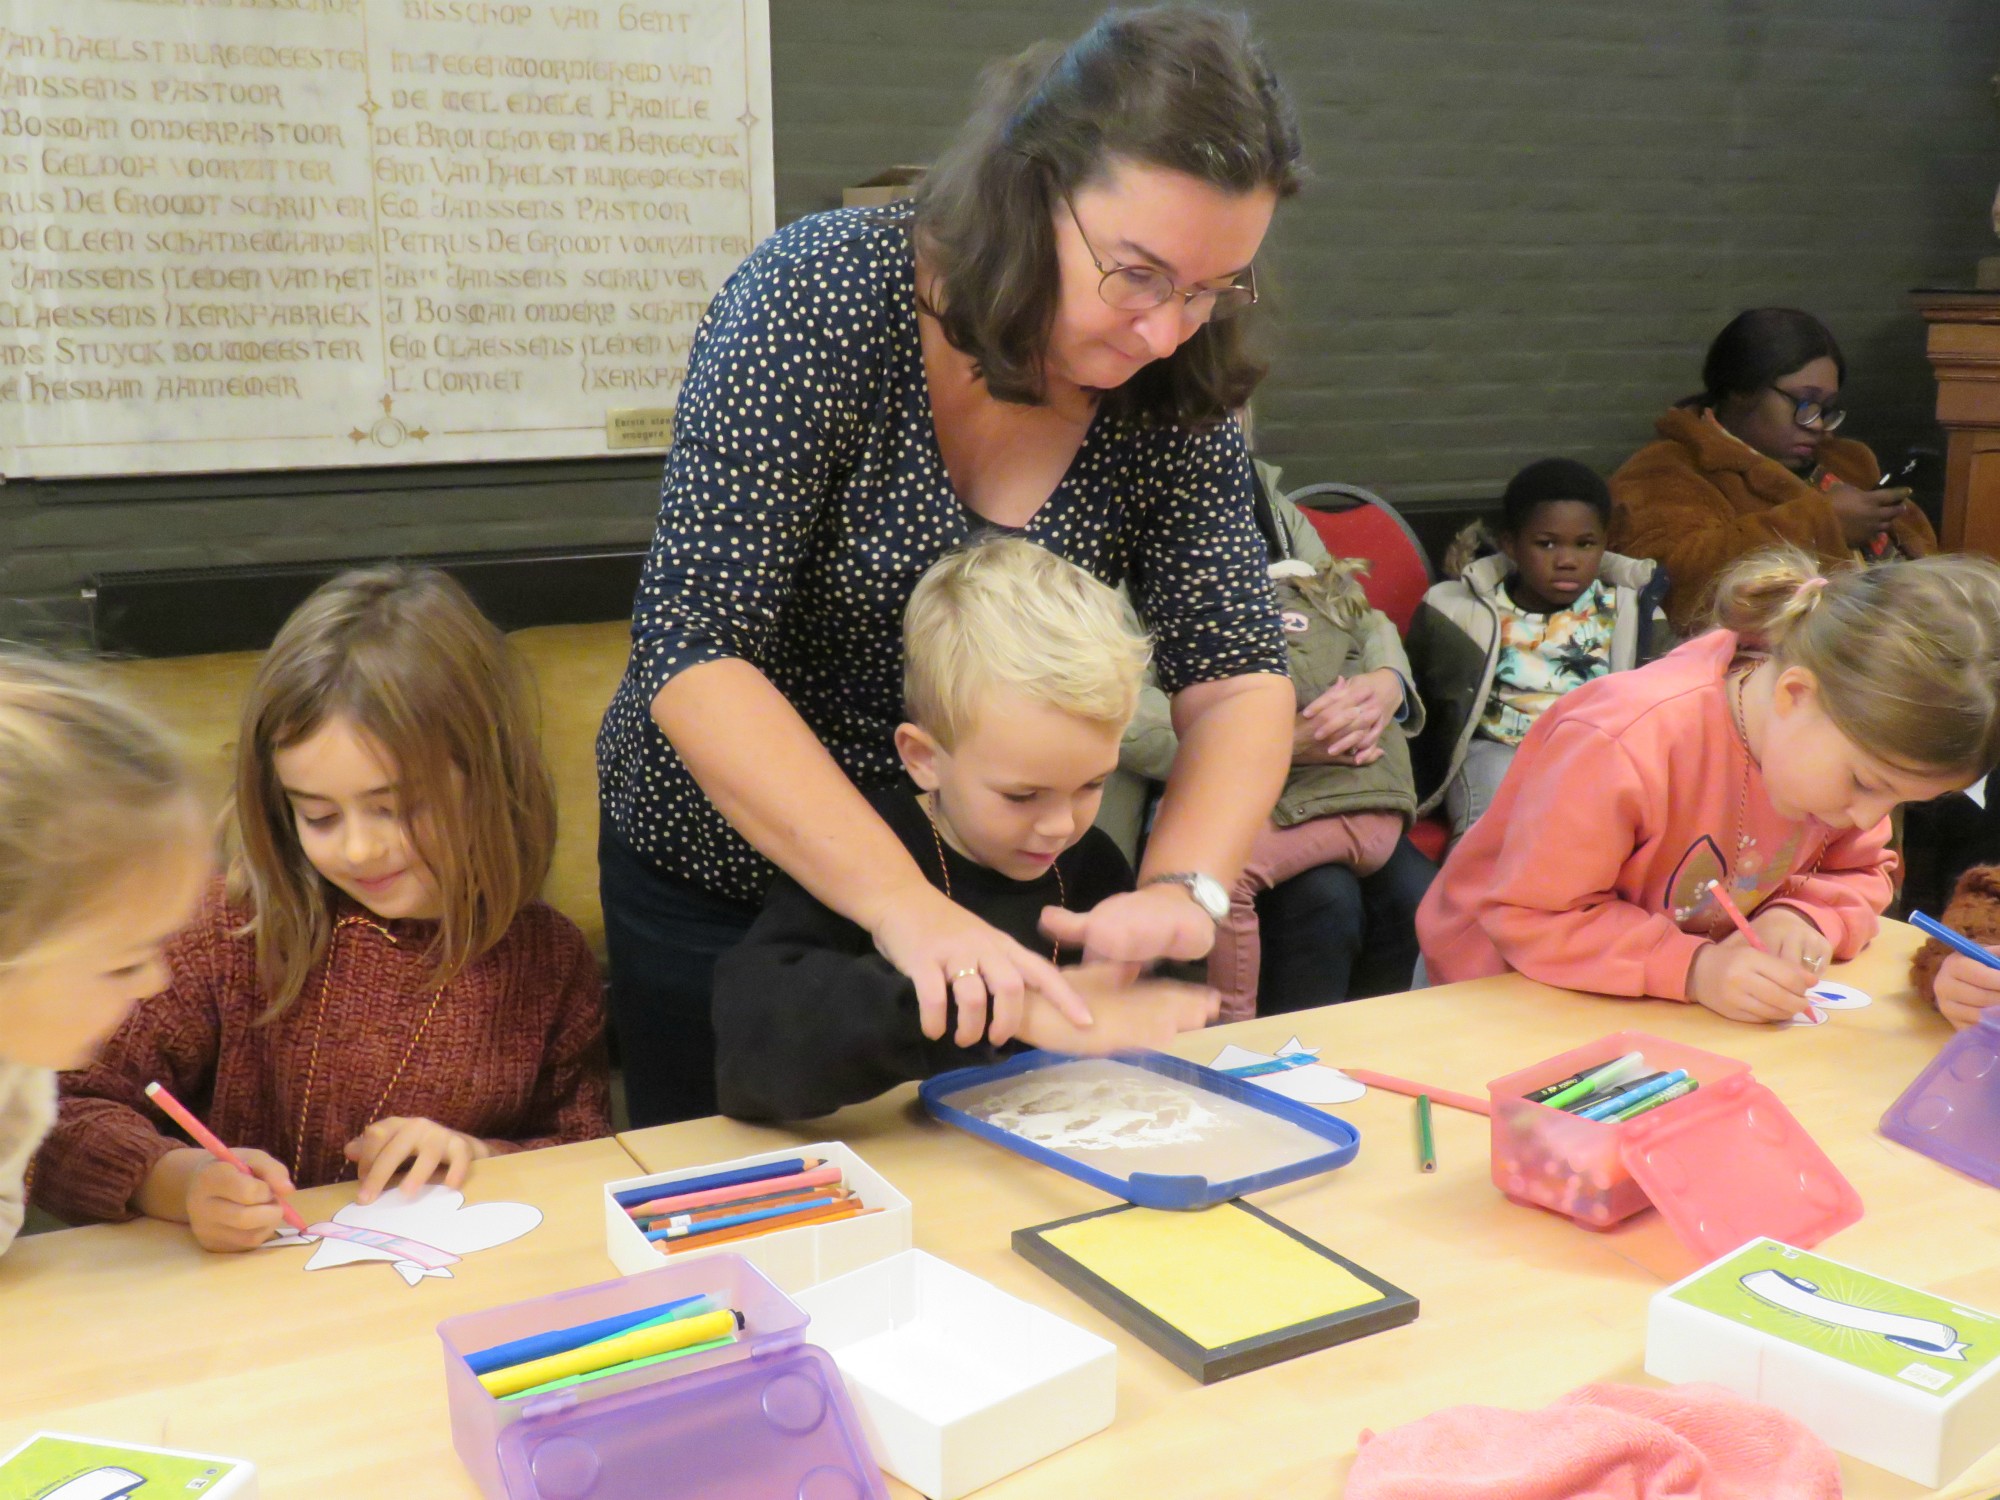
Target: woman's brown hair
point(1175, 87)
point(1906, 655)
point(407, 658)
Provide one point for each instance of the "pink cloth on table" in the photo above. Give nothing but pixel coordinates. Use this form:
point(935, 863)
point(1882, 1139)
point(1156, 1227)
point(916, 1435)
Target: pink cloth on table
point(1601, 1442)
point(1363, 841)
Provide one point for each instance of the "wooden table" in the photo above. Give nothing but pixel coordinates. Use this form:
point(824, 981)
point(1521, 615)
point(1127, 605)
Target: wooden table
point(333, 1384)
point(1519, 1305)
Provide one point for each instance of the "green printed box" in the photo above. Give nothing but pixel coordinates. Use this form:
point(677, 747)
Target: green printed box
point(56, 1466)
point(1883, 1372)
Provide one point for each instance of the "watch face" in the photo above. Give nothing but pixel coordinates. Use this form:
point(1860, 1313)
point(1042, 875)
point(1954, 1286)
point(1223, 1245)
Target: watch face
point(1210, 896)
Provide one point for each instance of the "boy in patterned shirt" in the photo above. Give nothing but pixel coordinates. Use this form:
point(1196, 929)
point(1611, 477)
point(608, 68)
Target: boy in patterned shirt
point(1546, 614)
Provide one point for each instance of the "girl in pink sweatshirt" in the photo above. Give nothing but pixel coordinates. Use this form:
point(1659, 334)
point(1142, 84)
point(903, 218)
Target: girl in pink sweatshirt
point(1766, 756)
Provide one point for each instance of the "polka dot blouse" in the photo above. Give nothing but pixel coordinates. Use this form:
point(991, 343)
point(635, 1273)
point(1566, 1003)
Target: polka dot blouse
point(805, 495)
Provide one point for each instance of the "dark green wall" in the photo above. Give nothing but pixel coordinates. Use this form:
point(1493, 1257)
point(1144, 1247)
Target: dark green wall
point(1527, 218)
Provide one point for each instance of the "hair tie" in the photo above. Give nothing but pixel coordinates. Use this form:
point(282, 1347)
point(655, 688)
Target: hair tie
point(1810, 590)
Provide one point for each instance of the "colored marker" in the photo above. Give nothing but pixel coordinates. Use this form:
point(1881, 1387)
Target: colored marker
point(637, 1344)
point(207, 1139)
point(1955, 940)
point(630, 1364)
point(759, 1173)
point(1404, 1086)
point(1666, 1095)
point(1632, 1095)
point(1590, 1101)
point(1580, 1085)
point(1729, 910)
point(561, 1340)
point(674, 1231)
point(1427, 1157)
point(818, 1177)
point(1283, 1064)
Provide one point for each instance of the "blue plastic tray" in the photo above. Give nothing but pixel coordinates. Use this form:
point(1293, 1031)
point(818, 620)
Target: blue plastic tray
point(1152, 1189)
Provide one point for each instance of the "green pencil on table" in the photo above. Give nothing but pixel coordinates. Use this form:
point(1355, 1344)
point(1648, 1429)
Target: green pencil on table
point(1427, 1157)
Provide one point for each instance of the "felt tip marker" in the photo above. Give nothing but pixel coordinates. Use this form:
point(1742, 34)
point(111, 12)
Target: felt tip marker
point(1666, 1095)
point(1954, 940)
point(1599, 1096)
point(1577, 1085)
point(1632, 1095)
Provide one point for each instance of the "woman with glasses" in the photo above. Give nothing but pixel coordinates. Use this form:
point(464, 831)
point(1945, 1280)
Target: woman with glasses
point(1047, 341)
point(1752, 460)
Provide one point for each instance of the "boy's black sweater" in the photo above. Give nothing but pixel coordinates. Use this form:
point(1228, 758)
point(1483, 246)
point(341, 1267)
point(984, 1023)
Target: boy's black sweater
point(809, 1017)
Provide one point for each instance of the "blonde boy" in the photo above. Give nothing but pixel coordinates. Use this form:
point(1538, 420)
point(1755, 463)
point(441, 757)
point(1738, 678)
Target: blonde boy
point(1020, 673)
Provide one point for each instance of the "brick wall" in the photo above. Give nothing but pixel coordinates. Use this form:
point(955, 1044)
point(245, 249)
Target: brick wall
point(1528, 217)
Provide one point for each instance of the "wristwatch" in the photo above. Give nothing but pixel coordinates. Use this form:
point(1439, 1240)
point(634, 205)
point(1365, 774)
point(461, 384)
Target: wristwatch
point(1207, 891)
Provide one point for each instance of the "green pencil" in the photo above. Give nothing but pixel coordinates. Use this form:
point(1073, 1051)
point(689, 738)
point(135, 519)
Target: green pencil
point(1427, 1156)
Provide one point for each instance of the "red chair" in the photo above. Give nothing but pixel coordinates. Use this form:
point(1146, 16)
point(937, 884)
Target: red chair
point(1355, 522)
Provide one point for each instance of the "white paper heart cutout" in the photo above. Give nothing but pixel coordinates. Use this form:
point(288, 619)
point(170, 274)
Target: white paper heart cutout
point(437, 1218)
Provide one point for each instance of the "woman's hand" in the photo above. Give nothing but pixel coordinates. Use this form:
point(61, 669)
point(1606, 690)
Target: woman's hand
point(1789, 935)
point(1866, 514)
point(1964, 988)
point(952, 956)
point(228, 1210)
point(1135, 927)
point(1347, 721)
point(1738, 983)
point(381, 1150)
point(1129, 1012)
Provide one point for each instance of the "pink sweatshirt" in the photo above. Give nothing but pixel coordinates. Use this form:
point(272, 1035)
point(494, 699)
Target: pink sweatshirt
point(1590, 868)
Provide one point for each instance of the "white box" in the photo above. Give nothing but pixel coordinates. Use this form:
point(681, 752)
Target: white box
point(63, 1466)
point(959, 1384)
point(792, 1258)
point(1884, 1373)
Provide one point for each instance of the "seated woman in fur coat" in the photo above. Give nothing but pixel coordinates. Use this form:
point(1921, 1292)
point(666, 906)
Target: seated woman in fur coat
point(1752, 460)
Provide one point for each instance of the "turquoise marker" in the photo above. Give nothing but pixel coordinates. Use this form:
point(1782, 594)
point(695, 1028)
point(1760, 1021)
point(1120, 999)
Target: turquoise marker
point(1665, 1096)
point(1283, 1064)
point(1632, 1096)
point(1555, 1096)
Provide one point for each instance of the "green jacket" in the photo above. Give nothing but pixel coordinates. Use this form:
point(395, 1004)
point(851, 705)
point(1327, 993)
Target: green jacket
point(1321, 651)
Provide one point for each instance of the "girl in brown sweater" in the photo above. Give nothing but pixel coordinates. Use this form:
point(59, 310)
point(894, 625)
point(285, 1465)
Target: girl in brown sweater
point(375, 988)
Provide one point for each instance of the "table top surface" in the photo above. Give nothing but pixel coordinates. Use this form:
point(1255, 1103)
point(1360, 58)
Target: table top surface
point(130, 1332)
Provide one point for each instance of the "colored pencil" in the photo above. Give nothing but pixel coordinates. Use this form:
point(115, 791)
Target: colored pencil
point(714, 1219)
point(626, 1346)
point(1403, 1086)
point(561, 1340)
point(752, 1231)
point(818, 1177)
point(1427, 1156)
point(210, 1142)
point(672, 1231)
point(763, 1171)
point(1731, 911)
point(630, 1364)
point(739, 1205)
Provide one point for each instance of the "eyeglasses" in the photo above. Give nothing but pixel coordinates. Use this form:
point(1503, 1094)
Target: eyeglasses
point(1140, 288)
point(1814, 416)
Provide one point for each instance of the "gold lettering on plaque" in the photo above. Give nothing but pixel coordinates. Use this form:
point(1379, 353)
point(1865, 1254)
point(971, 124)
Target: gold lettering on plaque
point(639, 427)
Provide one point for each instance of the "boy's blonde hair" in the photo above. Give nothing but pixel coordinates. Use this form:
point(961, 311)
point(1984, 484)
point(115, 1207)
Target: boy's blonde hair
point(1906, 654)
point(1009, 614)
point(405, 656)
point(91, 788)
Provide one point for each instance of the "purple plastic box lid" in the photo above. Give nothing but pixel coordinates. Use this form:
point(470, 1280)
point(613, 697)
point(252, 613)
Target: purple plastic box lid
point(778, 1428)
point(1952, 1112)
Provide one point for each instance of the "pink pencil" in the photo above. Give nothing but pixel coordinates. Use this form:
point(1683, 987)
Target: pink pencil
point(212, 1144)
point(1730, 910)
point(1403, 1086)
point(818, 1177)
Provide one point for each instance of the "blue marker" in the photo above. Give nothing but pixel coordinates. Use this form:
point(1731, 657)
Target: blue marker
point(1952, 939)
point(1633, 1095)
point(1283, 1064)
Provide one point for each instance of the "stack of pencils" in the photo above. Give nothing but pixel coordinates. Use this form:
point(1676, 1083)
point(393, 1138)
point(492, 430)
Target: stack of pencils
point(564, 1357)
point(697, 1212)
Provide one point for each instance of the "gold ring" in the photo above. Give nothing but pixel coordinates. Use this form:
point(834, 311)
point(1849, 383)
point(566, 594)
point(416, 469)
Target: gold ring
point(971, 973)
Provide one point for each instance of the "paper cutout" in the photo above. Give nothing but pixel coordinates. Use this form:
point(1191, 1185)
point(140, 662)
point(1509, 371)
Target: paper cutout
point(421, 1237)
point(1812, 1015)
point(1309, 1083)
point(1831, 996)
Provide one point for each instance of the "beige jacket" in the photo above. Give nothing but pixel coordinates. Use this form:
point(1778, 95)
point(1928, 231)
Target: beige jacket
point(27, 1111)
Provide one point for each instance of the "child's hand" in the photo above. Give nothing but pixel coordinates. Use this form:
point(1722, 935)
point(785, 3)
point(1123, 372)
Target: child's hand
point(380, 1151)
point(227, 1210)
point(1129, 1012)
point(1737, 982)
point(1788, 934)
point(1964, 988)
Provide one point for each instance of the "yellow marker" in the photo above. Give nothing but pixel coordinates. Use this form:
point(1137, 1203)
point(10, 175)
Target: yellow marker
point(637, 1344)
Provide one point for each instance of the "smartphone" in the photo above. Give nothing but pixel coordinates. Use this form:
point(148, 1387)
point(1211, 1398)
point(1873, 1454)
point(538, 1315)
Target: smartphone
point(1890, 479)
